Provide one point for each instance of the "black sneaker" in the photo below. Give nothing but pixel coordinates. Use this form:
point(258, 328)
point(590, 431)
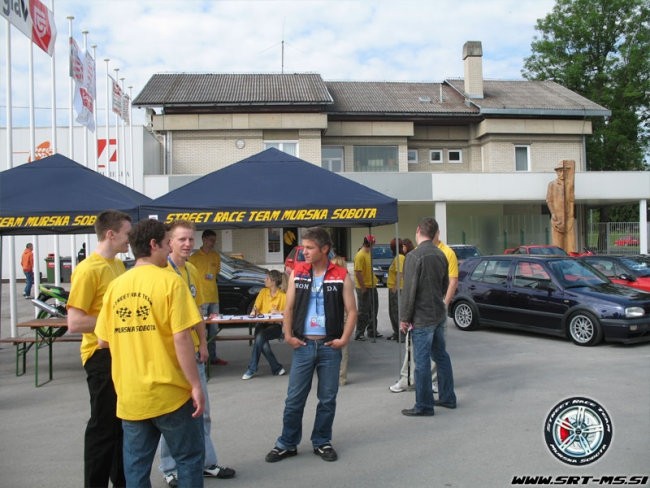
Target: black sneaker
point(326, 452)
point(276, 454)
point(221, 472)
point(359, 337)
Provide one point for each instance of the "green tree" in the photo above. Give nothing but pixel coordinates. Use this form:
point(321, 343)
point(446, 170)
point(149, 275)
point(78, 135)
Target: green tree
point(601, 50)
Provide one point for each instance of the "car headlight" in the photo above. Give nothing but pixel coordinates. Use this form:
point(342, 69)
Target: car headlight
point(634, 312)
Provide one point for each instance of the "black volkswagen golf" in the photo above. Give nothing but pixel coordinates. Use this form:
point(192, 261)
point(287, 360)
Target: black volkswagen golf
point(553, 295)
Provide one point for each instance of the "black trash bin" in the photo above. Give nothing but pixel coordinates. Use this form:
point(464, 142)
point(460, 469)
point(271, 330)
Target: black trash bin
point(66, 269)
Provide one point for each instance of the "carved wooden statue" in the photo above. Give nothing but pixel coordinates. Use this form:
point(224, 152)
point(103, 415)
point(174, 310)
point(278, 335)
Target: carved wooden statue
point(560, 198)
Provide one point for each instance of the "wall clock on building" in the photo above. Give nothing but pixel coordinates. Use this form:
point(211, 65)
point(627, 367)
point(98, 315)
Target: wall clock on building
point(240, 143)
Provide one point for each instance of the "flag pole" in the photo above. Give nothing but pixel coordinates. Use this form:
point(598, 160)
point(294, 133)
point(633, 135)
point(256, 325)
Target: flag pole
point(131, 138)
point(117, 135)
point(122, 133)
point(57, 258)
point(13, 308)
point(94, 150)
point(54, 142)
point(32, 150)
point(108, 109)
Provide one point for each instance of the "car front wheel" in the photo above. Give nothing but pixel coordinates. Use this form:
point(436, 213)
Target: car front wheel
point(584, 329)
point(465, 316)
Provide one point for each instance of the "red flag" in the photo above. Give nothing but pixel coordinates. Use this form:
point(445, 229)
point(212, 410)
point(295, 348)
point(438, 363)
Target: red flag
point(43, 27)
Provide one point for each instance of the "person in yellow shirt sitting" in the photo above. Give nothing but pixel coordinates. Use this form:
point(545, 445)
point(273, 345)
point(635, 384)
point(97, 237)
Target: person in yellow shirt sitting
point(271, 299)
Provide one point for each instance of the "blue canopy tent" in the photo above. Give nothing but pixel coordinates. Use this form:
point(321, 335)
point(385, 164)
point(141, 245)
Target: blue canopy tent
point(56, 195)
point(273, 189)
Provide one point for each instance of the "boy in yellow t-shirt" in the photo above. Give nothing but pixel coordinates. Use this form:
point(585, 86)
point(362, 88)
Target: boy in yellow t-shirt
point(90, 279)
point(270, 299)
point(146, 318)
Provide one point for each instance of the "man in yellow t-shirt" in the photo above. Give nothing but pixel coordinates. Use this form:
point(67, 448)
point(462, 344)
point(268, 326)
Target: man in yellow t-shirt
point(182, 243)
point(208, 263)
point(365, 283)
point(146, 319)
point(89, 281)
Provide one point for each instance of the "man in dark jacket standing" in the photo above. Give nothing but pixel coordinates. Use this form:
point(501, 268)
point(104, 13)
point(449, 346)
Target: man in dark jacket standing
point(423, 310)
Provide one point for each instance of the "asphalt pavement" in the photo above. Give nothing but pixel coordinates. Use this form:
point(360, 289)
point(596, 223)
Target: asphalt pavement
point(506, 384)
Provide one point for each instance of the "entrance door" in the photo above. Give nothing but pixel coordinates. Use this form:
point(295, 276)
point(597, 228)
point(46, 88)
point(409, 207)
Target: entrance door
point(274, 245)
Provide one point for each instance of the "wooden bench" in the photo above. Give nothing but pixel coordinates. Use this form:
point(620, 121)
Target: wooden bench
point(24, 344)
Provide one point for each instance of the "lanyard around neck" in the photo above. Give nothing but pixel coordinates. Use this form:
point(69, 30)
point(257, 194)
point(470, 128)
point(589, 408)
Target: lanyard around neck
point(173, 265)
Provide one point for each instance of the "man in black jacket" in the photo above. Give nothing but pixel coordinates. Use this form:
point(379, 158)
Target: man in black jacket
point(426, 278)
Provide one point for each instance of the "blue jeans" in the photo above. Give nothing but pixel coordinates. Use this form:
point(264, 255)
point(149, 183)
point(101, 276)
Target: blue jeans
point(29, 282)
point(326, 361)
point(429, 342)
point(167, 463)
point(263, 334)
point(206, 310)
point(184, 435)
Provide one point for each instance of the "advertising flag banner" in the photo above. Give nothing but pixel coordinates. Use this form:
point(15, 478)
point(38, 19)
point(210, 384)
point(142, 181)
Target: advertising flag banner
point(90, 81)
point(82, 71)
point(126, 103)
point(117, 97)
point(76, 64)
point(33, 19)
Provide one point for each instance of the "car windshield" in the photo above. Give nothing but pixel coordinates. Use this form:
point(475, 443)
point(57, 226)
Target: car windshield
point(466, 252)
point(381, 252)
point(232, 268)
point(548, 251)
point(640, 266)
point(572, 273)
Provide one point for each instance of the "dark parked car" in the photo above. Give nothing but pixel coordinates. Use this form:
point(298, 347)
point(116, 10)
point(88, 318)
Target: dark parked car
point(633, 271)
point(553, 295)
point(464, 251)
point(382, 257)
point(239, 282)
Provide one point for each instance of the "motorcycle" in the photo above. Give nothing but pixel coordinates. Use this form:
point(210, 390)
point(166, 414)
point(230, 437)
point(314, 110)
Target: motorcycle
point(57, 298)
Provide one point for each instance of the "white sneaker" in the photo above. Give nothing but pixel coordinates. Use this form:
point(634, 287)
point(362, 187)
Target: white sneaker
point(282, 372)
point(434, 386)
point(247, 375)
point(397, 387)
point(171, 480)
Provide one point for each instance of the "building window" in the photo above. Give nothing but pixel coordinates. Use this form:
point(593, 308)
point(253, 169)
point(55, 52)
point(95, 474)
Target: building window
point(375, 158)
point(413, 156)
point(522, 158)
point(435, 156)
point(455, 156)
point(290, 147)
point(332, 158)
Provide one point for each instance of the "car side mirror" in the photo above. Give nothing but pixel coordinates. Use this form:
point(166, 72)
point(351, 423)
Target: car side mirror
point(626, 277)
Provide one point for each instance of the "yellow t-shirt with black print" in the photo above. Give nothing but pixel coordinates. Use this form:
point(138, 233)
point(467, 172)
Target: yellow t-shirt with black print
point(142, 310)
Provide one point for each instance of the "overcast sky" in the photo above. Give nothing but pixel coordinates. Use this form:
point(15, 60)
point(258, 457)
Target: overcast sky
point(360, 40)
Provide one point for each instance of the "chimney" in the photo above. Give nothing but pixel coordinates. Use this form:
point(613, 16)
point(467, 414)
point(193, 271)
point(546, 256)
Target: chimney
point(473, 59)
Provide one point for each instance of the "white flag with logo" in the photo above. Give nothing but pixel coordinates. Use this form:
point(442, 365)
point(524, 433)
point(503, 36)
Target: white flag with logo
point(117, 97)
point(82, 71)
point(33, 19)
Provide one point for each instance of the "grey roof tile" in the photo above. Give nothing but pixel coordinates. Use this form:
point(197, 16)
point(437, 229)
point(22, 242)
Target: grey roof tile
point(528, 95)
point(233, 89)
point(395, 97)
